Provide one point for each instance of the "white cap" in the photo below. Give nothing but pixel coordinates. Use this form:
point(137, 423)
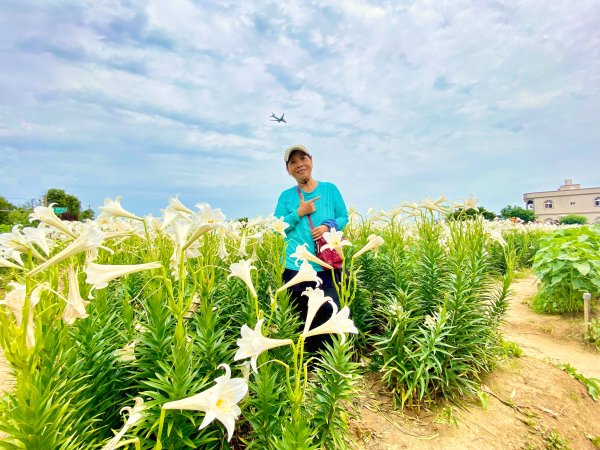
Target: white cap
point(293, 148)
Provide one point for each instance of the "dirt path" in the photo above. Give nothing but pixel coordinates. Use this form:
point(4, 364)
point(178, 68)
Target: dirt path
point(546, 336)
point(531, 403)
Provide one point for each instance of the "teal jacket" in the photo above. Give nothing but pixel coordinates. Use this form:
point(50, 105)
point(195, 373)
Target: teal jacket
point(330, 206)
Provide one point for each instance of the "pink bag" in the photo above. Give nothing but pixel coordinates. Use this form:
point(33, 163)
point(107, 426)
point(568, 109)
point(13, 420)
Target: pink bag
point(331, 257)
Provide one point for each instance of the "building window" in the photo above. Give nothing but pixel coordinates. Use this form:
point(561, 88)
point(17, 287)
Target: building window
point(529, 204)
point(548, 204)
point(572, 203)
point(597, 201)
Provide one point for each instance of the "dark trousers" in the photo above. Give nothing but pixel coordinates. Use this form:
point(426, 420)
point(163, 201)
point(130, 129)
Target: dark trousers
point(300, 304)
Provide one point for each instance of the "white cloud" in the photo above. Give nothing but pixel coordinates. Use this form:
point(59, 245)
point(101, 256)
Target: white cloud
point(398, 101)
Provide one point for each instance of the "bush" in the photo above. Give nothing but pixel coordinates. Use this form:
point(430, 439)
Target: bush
point(573, 219)
point(568, 264)
point(515, 211)
point(441, 331)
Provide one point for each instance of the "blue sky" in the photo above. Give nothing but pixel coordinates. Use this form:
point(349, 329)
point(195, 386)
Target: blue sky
point(396, 100)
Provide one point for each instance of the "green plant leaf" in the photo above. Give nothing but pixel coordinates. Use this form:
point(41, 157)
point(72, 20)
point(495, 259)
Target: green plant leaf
point(583, 267)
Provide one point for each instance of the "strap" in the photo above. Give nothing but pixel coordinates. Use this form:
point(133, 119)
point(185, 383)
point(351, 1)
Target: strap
point(308, 215)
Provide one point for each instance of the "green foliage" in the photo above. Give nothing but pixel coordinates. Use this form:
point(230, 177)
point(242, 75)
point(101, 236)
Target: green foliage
point(266, 407)
point(5, 207)
point(428, 309)
point(11, 215)
point(526, 215)
point(441, 332)
point(512, 349)
point(554, 441)
point(594, 332)
point(592, 384)
point(573, 219)
point(568, 265)
point(462, 214)
point(87, 214)
point(62, 199)
point(330, 395)
point(18, 216)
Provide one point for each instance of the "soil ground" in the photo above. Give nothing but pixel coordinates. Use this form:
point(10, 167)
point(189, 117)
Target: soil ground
point(531, 403)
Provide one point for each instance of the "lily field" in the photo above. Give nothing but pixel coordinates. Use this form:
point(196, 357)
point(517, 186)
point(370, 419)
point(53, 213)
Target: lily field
point(177, 332)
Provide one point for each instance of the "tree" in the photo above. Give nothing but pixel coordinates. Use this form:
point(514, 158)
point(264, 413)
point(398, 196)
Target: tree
point(516, 211)
point(87, 214)
point(461, 214)
point(5, 208)
point(62, 199)
point(19, 216)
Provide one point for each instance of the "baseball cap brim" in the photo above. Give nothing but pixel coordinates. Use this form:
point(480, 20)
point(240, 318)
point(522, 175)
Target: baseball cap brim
point(293, 148)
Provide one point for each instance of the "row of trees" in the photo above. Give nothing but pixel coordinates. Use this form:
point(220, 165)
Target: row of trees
point(516, 212)
point(11, 214)
point(506, 213)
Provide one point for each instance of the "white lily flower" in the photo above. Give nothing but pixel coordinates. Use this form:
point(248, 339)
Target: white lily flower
point(470, 203)
point(302, 253)
point(135, 415)
point(89, 239)
point(335, 241)
point(38, 236)
point(210, 215)
point(242, 270)
point(199, 231)
point(180, 230)
point(373, 243)
point(242, 248)
point(45, 214)
point(306, 273)
point(222, 251)
point(101, 274)
point(218, 402)
point(170, 216)
point(127, 353)
point(75, 308)
point(16, 257)
point(316, 299)
point(279, 226)
point(430, 321)
point(15, 300)
point(11, 265)
point(339, 323)
point(411, 207)
point(176, 205)
point(253, 343)
point(19, 242)
point(113, 208)
point(434, 205)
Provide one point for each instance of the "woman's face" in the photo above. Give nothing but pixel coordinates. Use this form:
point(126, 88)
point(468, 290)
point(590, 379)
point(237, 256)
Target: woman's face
point(300, 167)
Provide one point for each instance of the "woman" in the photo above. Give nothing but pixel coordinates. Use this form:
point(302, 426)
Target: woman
point(323, 203)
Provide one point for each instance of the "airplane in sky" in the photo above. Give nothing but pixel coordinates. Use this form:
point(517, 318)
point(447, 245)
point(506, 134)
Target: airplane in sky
point(278, 119)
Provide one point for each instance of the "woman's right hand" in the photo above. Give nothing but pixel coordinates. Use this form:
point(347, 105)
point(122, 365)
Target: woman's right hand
point(308, 207)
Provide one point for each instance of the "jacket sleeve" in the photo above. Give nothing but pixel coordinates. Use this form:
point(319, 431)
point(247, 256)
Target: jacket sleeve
point(340, 210)
point(290, 216)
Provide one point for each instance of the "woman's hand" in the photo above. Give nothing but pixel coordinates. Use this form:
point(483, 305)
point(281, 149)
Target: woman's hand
point(317, 232)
